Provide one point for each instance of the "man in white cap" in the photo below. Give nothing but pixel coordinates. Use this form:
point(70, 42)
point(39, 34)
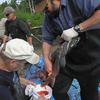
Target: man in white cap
point(15, 27)
point(14, 54)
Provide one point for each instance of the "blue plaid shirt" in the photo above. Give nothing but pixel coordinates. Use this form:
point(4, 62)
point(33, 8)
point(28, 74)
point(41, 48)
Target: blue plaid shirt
point(65, 19)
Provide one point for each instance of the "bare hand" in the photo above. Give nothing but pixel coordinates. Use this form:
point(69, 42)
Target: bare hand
point(48, 66)
point(25, 82)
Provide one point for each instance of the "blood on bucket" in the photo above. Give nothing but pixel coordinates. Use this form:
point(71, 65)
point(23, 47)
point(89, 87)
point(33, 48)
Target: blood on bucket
point(39, 91)
point(42, 93)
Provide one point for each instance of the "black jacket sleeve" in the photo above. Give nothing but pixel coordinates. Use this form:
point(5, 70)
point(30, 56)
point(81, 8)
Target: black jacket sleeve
point(24, 28)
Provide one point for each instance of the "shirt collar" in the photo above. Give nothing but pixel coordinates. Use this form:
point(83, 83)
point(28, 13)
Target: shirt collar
point(64, 2)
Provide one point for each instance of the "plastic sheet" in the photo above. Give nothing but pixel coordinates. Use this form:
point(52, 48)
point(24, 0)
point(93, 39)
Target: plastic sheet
point(74, 91)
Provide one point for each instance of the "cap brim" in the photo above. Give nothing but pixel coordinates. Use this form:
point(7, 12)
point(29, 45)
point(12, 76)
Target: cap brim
point(33, 59)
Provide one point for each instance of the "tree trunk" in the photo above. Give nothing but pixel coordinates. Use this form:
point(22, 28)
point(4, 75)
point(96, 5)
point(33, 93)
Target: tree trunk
point(33, 6)
point(29, 2)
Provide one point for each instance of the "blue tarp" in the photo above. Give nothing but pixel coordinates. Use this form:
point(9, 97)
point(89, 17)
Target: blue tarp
point(30, 74)
point(74, 91)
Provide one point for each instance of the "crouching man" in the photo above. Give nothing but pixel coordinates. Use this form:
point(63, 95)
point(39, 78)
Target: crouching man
point(14, 55)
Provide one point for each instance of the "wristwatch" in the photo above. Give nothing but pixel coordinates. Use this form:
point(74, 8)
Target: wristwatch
point(77, 28)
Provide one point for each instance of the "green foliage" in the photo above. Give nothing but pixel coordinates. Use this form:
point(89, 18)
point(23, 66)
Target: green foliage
point(1, 15)
point(36, 18)
point(24, 6)
point(3, 6)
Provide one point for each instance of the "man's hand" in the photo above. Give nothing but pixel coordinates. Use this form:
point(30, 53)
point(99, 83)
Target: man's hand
point(29, 40)
point(46, 53)
point(25, 82)
point(5, 39)
point(48, 66)
point(69, 34)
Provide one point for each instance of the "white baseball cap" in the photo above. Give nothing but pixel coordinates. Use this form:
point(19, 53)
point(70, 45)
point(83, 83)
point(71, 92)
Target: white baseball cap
point(20, 50)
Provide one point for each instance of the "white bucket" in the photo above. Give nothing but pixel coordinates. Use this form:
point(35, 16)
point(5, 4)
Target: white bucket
point(38, 88)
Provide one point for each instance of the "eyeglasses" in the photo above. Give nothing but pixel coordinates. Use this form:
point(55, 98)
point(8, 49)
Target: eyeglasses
point(7, 15)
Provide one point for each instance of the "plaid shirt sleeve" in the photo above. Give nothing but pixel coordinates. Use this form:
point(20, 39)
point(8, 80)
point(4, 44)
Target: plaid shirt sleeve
point(47, 36)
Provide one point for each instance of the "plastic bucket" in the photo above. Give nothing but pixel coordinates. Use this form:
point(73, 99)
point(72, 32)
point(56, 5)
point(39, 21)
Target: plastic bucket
point(38, 89)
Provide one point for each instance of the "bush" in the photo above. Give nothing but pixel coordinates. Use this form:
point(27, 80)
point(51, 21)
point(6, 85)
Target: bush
point(36, 18)
point(1, 15)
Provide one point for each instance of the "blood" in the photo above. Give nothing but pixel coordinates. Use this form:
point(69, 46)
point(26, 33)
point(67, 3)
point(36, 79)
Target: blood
point(42, 93)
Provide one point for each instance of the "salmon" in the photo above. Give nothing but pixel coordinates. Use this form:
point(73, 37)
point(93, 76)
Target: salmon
point(58, 59)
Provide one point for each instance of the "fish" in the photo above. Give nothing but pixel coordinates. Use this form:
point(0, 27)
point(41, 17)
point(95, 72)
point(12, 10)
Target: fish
point(58, 59)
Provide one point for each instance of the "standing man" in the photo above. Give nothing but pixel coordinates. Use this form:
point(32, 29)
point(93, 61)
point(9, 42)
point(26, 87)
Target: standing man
point(16, 28)
point(14, 55)
point(70, 19)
